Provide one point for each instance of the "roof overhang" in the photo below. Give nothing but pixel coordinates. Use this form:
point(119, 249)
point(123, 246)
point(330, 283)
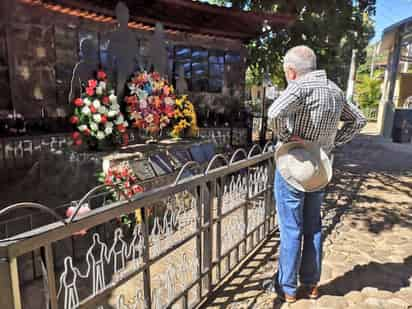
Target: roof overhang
point(176, 15)
point(389, 34)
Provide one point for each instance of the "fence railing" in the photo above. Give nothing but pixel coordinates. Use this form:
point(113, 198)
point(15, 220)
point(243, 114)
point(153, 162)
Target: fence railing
point(193, 233)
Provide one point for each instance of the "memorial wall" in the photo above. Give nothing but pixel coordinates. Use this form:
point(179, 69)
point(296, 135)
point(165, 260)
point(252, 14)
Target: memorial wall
point(44, 48)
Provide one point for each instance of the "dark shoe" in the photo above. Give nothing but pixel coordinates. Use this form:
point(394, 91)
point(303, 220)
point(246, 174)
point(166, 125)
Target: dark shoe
point(271, 287)
point(309, 291)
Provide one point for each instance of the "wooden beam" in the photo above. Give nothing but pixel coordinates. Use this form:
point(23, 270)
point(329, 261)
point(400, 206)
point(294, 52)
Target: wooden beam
point(243, 25)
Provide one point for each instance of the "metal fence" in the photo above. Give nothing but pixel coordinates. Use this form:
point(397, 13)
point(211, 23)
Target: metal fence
point(193, 233)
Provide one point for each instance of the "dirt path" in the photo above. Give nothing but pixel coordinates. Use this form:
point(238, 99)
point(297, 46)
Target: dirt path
point(367, 221)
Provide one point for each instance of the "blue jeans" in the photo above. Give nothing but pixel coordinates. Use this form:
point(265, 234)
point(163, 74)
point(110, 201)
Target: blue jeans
point(299, 220)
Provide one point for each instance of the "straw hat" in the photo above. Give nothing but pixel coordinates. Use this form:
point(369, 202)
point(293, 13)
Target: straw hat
point(304, 165)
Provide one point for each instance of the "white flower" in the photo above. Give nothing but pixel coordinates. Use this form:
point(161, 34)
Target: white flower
point(103, 110)
point(102, 85)
point(133, 88)
point(113, 98)
point(125, 124)
point(115, 107)
point(100, 135)
point(94, 126)
point(142, 95)
point(87, 101)
point(97, 118)
point(119, 119)
point(86, 110)
point(169, 101)
point(108, 131)
point(82, 128)
point(99, 90)
point(109, 124)
point(149, 118)
point(112, 113)
point(143, 104)
point(96, 104)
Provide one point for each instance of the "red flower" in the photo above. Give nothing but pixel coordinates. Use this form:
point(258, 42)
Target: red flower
point(78, 142)
point(121, 128)
point(156, 76)
point(78, 102)
point(141, 123)
point(93, 109)
point(124, 172)
point(74, 119)
point(157, 102)
point(131, 100)
point(137, 189)
point(90, 91)
point(104, 119)
point(156, 119)
point(92, 83)
point(75, 135)
point(83, 209)
point(86, 132)
point(106, 100)
point(169, 111)
point(101, 75)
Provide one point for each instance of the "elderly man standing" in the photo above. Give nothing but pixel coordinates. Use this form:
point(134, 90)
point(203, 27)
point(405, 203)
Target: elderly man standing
point(308, 111)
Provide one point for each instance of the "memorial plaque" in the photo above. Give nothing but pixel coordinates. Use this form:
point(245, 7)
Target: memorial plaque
point(208, 150)
point(198, 154)
point(161, 164)
point(142, 169)
point(180, 156)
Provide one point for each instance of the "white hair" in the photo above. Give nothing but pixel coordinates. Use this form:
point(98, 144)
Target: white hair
point(300, 58)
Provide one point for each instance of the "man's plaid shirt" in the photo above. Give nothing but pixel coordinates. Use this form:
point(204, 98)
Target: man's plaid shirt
point(312, 107)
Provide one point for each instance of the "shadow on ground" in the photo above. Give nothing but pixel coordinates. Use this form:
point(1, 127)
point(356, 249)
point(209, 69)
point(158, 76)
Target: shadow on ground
point(383, 276)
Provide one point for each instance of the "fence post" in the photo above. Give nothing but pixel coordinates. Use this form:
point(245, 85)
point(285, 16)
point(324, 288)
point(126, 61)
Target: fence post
point(269, 196)
point(9, 282)
point(6, 299)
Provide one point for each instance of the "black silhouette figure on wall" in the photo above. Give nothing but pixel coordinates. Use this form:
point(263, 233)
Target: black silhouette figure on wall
point(123, 49)
point(159, 56)
point(84, 69)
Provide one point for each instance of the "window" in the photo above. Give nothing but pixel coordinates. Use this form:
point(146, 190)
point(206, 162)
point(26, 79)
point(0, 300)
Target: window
point(203, 69)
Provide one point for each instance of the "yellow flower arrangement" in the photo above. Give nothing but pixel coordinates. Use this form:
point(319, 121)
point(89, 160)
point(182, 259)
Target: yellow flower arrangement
point(184, 121)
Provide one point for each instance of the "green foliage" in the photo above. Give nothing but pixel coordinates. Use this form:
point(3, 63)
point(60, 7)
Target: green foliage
point(368, 90)
point(331, 27)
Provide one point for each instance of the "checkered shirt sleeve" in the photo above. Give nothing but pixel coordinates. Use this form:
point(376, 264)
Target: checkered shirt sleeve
point(353, 120)
point(290, 100)
point(312, 108)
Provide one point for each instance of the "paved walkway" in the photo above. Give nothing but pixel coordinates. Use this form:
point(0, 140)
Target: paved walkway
point(368, 231)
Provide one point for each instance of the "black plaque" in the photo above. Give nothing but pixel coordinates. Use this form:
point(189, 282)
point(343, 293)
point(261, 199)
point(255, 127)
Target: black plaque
point(208, 150)
point(161, 164)
point(181, 156)
point(198, 154)
point(142, 169)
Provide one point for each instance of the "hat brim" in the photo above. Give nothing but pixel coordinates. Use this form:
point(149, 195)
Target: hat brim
point(316, 183)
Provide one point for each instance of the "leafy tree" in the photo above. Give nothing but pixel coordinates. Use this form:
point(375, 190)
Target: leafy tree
point(331, 27)
point(368, 90)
